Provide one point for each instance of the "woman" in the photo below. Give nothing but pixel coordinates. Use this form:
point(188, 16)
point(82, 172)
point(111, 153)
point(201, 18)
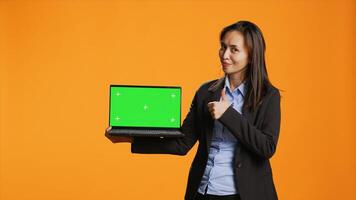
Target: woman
point(236, 120)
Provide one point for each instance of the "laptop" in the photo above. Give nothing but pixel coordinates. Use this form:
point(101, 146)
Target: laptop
point(153, 111)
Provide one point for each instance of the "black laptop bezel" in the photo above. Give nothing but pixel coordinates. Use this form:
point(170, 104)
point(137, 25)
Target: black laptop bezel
point(149, 127)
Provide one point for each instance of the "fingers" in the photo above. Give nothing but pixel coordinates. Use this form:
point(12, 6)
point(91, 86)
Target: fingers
point(108, 129)
point(223, 92)
point(223, 95)
point(211, 106)
point(121, 139)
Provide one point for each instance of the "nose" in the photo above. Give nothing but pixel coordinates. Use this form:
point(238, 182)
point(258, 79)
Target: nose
point(225, 54)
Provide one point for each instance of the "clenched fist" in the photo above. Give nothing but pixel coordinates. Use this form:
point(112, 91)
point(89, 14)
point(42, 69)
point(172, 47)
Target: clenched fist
point(217, 108)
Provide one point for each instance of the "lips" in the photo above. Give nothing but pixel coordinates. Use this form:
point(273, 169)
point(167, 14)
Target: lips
point(224, 64)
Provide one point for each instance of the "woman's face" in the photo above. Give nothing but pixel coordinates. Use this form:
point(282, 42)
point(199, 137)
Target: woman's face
point(233, 53)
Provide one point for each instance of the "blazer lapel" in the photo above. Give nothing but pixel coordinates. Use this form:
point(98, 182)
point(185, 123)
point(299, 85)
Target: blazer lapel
point(214, 94)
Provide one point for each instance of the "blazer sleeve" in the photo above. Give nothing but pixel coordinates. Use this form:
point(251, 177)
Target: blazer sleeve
point(261, 141)
point(176, 146)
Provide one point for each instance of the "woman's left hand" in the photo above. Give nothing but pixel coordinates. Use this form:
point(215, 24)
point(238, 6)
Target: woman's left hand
point(217, 108)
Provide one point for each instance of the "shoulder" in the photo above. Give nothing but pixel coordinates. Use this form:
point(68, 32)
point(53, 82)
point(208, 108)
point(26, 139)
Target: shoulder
point(204, 89)
point(272, 90)
point(208, 86)
point(272, 95)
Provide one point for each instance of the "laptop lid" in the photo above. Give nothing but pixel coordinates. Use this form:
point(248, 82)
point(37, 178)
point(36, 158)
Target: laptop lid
point(145, 106)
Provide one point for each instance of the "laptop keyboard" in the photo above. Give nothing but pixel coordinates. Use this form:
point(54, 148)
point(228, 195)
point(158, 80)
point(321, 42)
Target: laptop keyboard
point(145, 132)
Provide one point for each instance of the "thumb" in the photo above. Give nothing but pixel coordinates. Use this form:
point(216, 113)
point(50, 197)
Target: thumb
point(223, 95)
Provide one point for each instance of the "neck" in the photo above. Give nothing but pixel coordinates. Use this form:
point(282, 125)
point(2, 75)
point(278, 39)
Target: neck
point(236, 79)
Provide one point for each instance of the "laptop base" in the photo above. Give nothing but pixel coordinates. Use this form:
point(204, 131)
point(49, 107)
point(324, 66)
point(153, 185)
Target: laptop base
point(146, 132)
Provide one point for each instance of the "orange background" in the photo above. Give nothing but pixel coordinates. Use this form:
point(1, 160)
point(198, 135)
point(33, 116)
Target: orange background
point(58, 59)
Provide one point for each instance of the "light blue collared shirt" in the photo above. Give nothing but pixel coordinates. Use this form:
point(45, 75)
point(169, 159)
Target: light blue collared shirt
point(218, 178)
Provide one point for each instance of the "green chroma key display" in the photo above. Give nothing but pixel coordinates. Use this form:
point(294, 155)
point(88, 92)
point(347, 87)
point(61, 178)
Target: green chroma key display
point(145, 106)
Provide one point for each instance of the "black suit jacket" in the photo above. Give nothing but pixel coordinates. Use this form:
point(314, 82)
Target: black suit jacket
point(257, 133)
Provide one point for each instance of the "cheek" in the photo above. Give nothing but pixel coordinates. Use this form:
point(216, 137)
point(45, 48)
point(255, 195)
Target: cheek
point(241, 59)
point(240, 62)
point(236, 59)
point(245, 60)
point(245, 57)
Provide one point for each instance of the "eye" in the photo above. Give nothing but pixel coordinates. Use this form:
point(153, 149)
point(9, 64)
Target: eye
point(234, 50)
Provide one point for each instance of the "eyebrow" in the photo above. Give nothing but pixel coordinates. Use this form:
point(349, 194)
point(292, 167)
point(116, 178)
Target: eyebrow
point(233, 45)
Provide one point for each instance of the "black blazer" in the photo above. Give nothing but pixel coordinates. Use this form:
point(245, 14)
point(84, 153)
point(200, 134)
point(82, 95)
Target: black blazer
point(257, 133)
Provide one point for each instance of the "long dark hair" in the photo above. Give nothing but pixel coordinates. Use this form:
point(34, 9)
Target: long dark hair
point(256, 75)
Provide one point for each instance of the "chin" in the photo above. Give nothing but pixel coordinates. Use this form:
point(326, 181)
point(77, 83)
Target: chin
point(227, 71)
point(231, 71)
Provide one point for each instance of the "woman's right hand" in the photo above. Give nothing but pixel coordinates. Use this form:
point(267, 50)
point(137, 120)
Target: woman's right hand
point(116, 139)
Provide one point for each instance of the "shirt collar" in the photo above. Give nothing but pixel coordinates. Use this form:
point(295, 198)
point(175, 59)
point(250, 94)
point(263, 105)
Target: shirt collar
point(241, 88)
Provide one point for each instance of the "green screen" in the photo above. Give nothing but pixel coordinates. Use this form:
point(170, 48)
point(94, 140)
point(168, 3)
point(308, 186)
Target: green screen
point(145, 106)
